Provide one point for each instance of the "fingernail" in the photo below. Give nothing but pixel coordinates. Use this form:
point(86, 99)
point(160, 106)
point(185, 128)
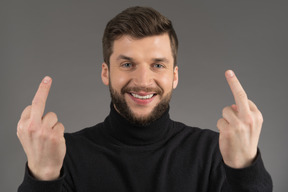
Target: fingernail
point(46, 79)
point(230, 73)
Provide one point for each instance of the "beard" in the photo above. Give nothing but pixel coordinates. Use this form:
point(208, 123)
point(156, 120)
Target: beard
point(122, 107)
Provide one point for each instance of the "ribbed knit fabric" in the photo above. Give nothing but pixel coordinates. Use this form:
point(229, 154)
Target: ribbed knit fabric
point(165, 156)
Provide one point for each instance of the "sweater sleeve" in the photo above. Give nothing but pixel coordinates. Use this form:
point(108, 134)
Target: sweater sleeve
point(30, 184)
point(253, 178)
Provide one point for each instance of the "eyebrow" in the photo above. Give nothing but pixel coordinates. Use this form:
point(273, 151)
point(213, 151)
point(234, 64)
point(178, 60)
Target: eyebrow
point(162, 60)
point(124, 57)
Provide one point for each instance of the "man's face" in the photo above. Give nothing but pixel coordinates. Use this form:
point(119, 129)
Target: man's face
point(141, 77)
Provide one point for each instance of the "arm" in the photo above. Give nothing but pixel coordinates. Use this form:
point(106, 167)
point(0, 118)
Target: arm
point(42, 138)
point(240, 129)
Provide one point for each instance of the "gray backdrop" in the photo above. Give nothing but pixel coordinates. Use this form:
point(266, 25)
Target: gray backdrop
point(63, 39)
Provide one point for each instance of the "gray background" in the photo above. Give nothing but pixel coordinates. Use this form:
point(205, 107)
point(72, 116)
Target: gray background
point(63, 39)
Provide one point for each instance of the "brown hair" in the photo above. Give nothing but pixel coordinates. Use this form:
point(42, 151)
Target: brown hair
point(137, 22)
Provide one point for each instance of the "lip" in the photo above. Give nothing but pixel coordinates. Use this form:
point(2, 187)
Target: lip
point(142, 93)
point(142, 101)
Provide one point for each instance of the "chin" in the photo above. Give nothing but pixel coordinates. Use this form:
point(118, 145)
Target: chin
point(142, 114)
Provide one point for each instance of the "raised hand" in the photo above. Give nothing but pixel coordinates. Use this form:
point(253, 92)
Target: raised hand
point(239, 127)
point(42, 137)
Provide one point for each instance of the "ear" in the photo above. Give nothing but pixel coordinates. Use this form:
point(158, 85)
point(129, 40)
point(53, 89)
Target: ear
point(105, 74)
point(175, 77)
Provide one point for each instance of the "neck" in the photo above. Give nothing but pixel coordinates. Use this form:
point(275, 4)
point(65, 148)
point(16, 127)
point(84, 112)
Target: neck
point(133, 134)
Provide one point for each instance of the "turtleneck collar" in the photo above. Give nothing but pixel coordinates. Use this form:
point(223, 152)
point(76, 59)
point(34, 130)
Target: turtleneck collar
point(125, 132)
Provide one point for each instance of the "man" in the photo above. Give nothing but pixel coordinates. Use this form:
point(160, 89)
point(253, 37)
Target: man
point(138, 147)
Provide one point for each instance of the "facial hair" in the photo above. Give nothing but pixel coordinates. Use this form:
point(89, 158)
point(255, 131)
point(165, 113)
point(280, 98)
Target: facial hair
point(122, 107)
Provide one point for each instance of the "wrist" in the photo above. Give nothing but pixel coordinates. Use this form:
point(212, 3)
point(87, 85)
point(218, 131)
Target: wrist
point(47, 174)
point(241, 162)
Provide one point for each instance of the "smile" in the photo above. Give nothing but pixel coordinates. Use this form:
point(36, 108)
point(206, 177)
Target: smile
point(142, 97)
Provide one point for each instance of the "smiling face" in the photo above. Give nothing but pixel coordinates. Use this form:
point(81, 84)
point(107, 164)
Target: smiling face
point(141, 77)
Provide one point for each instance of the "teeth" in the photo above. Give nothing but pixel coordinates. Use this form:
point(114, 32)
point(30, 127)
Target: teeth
point(142, 97)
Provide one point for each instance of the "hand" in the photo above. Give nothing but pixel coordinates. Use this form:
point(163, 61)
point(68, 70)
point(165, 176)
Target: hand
point(239, 128)
point(42, 138)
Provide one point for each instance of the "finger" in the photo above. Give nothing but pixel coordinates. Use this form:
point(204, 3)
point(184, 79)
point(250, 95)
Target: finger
point(252, 105)
point(229, 115)
point(239, 94)
point(50, 120)
point(39, 100)
point(59, 127)
point(26, 113)
point(234, 107)
point(222, 124)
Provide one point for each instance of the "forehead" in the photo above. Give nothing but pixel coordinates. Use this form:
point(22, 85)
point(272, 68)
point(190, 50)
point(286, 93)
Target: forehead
point(157, 46)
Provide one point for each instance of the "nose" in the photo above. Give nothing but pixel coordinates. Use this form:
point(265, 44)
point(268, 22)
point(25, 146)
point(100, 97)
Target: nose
point(143, 76)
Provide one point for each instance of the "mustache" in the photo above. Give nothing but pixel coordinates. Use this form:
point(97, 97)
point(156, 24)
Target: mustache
point(126, 88)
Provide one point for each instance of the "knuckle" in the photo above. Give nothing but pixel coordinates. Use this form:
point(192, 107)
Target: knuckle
point(254, 106)
point(238, 127)
point(42, 135)
point(248, 119)
point(18, 134)
point(226, 111)
point(52, 115)
point(20, 128)
point(242, 94)
point(19, 125)
point(54, 139)
point(32, 125)
point(60, 127)
point(259, 117)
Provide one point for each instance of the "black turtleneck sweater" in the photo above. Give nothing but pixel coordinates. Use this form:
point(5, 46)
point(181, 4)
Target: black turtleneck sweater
point(166, 156)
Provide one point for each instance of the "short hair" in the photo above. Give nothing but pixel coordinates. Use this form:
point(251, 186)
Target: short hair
point(137, 22)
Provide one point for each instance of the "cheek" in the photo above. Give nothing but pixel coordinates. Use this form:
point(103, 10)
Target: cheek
point(118, 80)
point(166, 82)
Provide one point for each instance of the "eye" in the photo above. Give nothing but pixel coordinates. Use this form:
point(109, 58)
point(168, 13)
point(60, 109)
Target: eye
point(158, 66)
point(127, 65)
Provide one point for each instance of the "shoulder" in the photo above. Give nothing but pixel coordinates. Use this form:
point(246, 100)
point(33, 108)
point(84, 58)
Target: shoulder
point(88, 134)
point(195, 138)
point(194, 132)
point(195, 143)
